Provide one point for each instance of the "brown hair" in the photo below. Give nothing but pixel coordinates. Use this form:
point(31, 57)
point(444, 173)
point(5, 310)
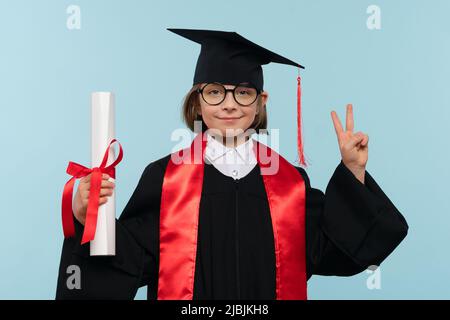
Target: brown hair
point(191, 104)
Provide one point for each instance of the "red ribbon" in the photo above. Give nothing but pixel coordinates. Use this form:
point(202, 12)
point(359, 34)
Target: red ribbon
point(78, 171)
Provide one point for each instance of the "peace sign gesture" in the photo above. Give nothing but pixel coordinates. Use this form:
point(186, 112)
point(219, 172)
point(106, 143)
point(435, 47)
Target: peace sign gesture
point(354, 147)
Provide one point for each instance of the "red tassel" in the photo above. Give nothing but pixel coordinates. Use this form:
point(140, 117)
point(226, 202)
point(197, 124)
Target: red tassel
point(301, 156)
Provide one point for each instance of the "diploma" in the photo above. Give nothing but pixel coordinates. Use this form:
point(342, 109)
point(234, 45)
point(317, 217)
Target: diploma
point(102, 132)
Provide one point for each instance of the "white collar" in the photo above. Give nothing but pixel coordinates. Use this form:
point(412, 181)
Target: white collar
point(215, 149)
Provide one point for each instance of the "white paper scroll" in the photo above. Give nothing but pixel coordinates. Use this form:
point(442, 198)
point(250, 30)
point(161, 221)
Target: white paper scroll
point(102, 132)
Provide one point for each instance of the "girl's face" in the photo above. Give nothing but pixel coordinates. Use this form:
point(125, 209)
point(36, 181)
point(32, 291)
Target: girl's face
point(229, 114)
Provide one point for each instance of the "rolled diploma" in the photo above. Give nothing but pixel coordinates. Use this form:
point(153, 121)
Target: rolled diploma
point(102, 132)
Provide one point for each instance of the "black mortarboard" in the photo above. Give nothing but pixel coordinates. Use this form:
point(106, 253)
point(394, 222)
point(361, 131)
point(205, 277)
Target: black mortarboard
point(229, 58)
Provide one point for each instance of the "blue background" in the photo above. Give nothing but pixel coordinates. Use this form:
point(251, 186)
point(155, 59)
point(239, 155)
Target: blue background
point(396, 78)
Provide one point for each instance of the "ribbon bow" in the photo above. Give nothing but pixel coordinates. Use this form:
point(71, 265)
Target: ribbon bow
point(78, 171)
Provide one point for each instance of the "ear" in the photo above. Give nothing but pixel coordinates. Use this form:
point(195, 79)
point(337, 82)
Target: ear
point(264, 98)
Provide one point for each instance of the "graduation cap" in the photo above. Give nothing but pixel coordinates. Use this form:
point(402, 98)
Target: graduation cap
point(229, 58)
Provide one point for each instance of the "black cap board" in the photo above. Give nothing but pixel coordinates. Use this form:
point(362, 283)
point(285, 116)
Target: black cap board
point(229, 58)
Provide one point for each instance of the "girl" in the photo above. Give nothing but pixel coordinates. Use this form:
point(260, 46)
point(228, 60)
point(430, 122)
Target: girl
point(248, 224)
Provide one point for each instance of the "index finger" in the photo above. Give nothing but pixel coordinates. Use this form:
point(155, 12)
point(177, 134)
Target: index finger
point(88, 177)
point(336, 122)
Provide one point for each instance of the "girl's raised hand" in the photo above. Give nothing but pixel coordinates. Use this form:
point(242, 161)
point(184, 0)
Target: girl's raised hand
point(354, 147)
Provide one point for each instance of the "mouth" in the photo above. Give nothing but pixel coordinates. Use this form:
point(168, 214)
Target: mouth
point(229, 118)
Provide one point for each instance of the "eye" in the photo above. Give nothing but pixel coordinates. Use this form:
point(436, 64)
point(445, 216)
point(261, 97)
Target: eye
point(243, 92)
point(213, 92)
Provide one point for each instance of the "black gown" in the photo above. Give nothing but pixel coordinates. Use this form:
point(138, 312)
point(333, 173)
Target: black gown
point(349, 228)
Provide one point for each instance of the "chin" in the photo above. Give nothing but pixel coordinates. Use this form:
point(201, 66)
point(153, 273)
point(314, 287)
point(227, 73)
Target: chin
point(234, 130)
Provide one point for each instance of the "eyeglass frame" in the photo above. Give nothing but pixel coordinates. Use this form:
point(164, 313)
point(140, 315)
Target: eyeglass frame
point(247, 84)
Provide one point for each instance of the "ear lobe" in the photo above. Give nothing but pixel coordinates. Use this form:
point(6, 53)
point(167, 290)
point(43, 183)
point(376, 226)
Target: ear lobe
point(265, 97)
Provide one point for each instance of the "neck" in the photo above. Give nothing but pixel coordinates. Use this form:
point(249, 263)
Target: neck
point(232, 142)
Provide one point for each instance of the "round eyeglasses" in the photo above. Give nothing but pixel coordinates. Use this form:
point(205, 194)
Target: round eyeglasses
point(214, 93)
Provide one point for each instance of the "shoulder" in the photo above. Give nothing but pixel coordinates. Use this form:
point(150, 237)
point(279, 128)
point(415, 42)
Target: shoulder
point(157, 167)
point(304, 175)
point(152, 176)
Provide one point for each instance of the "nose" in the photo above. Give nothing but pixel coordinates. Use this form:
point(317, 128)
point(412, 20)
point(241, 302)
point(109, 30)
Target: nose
point(229, 103)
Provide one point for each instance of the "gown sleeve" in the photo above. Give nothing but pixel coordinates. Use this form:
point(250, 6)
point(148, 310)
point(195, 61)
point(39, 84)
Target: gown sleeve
point(351, 227)
point(137, 249)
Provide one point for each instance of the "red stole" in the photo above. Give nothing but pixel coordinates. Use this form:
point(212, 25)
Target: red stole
point(179, 215)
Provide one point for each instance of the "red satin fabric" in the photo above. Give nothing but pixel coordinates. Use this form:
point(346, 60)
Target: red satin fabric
point(180, 202)
point(286, 196)
point(179, 213)
point(78, 171)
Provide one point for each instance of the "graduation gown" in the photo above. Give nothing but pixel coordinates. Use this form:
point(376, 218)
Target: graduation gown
point(349, 228)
